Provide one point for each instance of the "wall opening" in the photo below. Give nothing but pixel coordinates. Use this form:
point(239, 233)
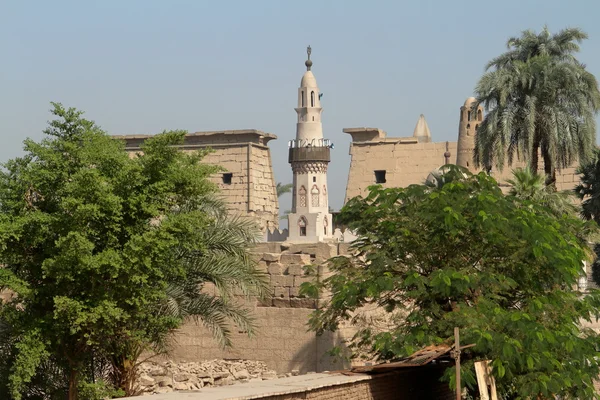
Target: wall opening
point(313, 118)
point(303, 98)
point(468, 115)
point(476, 126)
point(312, 99)
point(302, 196)
point(479, 115)
point(380, 176)
point(227, 178)
point(314, 178)
point(302, 223)
point(314, 196)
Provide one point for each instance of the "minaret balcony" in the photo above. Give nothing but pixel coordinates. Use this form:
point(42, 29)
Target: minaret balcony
point(309, 153)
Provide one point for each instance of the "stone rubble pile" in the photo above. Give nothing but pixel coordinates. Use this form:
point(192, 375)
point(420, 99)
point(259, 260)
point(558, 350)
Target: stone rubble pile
point(169, 376)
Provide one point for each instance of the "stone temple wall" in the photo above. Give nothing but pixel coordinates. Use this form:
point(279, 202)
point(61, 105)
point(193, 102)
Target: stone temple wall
point(407, 162)
point(283, 340)
point(247, 184)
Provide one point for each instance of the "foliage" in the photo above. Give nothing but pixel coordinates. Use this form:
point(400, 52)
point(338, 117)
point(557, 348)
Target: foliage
point(540, 99)
point(283, 188)
point(531, 186)
point(588, 188)
point(108, 255)
point(501, 268)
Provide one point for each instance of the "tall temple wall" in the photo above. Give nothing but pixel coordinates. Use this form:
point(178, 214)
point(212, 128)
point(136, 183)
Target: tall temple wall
point(247, 184)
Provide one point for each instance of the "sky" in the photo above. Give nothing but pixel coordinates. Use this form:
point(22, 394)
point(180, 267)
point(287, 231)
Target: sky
point(144, 66)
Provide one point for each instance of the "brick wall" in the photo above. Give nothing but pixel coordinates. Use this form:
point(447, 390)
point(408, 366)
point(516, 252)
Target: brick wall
point(421, 383)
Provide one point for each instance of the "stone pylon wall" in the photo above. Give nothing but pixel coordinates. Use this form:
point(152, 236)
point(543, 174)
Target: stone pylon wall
point(250, 190)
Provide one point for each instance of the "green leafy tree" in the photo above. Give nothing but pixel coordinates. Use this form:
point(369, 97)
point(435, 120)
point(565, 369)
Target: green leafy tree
point(588, 190)
point(540, 100)
point(107, 255)
point(501, 268)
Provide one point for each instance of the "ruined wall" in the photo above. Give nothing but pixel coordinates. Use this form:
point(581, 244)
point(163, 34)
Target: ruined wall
point(283, 341)
point(250, 189)
point(406, 162)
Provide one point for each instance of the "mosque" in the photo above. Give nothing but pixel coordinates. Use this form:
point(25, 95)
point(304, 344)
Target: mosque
point(249, 187)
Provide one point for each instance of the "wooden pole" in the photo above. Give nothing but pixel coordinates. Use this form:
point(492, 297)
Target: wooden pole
point(457, 362)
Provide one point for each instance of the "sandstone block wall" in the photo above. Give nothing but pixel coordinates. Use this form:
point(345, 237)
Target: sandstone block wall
point(408, 162)
point(283, 340)
point(404, 163)
point(244, 154)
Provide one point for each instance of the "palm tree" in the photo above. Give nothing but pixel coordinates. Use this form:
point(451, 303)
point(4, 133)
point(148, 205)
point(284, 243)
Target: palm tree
point(540, 100)
point(528, 185)
point(283, 188)
point(588, 189)
point(217, 270)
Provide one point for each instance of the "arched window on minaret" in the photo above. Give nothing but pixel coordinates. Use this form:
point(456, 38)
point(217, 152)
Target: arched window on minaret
point(302, 196)
point(324, 196)
point(303, 98)
point(325, 225)
point(302, 223)
point(314, 194)
point(312, 99)
point(468, 115)
point(479, 115)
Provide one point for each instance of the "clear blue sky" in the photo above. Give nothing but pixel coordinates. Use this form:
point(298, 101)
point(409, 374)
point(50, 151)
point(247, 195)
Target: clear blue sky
point(145, 66)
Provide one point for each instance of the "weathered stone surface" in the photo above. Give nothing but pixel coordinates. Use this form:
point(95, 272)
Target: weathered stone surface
point(295, 270)
point(163, 381)
point(300, 259)
point(282, 280)
point(146, 380)
point(275, 269)
point(282, 292)
point(181, 377)
point(271, 256)
point(193, 375)
point(281, 303)
point(241, 374)
point(320, 251)
point(303, 303)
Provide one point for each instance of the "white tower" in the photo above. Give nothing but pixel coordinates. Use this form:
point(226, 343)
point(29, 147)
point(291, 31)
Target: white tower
point(310, 220)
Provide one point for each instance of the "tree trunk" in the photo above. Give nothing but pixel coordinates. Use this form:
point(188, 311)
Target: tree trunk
point(549, 170)
point(533, 161)
point(73, 378)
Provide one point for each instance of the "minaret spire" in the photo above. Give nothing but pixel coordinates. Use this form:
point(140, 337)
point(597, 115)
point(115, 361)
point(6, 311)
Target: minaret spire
point(308, 62)
point(310, 220)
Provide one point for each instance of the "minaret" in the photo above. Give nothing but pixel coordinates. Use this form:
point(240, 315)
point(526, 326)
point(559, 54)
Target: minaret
point(422, 132)
point(310, 220)
point(467, 129)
